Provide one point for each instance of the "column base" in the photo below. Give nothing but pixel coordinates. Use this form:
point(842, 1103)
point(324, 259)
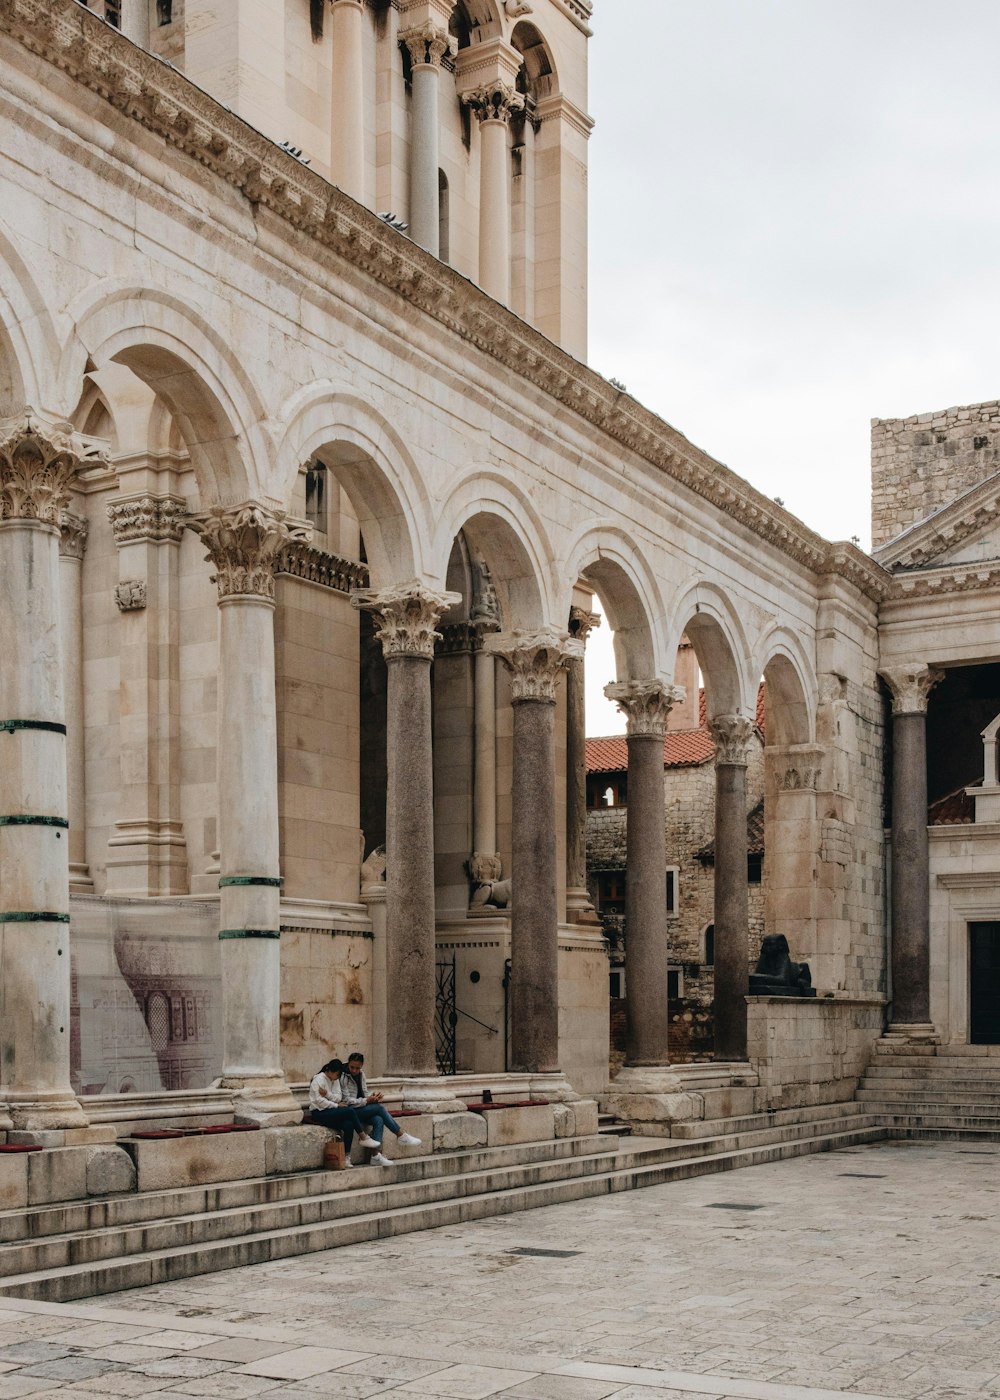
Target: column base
point(429, 1094)
point(580, 908)
point(650, 1097)
point(554, 1087)
point(46, 1113)
point(147, 858)
point(911, 1033)
point(267, 1101)
point(80, 879)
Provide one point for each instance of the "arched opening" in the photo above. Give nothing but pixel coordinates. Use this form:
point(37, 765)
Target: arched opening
point(444, 218)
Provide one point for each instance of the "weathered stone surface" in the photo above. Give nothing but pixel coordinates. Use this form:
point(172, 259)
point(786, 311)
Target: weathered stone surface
point(453, 1130)
point(653, 1108)
point(564, 1120)
point(57, 1174)
point(585, 1113)
point(294, 1149)
point(507, 1125)
point(109, 1170)
point(14, 1180)
point(163, 1163)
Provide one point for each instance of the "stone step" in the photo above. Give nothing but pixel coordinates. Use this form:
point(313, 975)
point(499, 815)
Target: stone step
point(710, 1127)
point(627, 1170)
point(944, 1052)
point(903, 1114)
point(988, 1065)
point(609, 1125)
point(970, 1073)
point(931, 1093)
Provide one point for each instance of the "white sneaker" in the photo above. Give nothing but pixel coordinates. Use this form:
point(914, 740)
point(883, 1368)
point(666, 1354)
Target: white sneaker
point(367, 1141)
point(347, 1163)
point(379, 1161)
point(408, 1140)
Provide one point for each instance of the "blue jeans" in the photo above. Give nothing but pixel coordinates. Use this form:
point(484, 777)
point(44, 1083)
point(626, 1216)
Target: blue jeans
point(345, 1121)
point(376, 1117)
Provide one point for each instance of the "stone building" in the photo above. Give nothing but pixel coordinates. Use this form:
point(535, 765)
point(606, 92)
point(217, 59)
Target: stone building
point(305, 495)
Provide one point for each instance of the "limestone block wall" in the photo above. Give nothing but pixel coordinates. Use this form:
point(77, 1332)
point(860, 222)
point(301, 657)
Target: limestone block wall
point(583, 1011)
point(326, 997)
point(922, 463)
point(809, 1051)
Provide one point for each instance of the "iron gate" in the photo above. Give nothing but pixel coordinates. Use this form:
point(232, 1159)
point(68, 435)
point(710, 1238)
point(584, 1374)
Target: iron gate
point(445, 1017)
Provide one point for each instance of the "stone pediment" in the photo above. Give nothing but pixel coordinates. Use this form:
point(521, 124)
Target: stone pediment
point(964, 532)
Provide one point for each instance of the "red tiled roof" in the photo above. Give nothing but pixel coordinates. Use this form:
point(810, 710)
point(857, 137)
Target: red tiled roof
point(956, 809)
point(684, 748)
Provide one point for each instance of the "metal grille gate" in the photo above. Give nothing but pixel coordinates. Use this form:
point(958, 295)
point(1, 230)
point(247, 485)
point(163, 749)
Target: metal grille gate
point(445, 1017)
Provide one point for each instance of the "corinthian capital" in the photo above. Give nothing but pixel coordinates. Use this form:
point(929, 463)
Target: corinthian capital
point(732, 735)
point(428, 42)
point(73, 530)
point(242, 542)
point(37, 467)
point(911, 685)
point(497, 102)
point(646, 705)
point(406, 617)
point(147, 517)
point(534, 660)
point(582, 623)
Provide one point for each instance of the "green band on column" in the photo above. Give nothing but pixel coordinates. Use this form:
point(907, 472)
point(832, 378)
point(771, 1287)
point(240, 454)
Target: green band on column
point(32, 916)
point(47, 726)
point(272, 881)
point(24, 820)
point(249, 933)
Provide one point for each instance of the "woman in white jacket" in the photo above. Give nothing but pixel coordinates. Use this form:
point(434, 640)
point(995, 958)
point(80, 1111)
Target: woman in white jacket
point(327, 1107)
point(370, 1108)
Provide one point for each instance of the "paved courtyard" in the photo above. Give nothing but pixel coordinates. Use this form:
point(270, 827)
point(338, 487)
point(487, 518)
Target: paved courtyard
point(873, 1272)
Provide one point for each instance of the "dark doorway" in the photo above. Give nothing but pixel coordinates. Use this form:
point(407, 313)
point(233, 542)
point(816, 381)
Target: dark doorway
point(984, 984)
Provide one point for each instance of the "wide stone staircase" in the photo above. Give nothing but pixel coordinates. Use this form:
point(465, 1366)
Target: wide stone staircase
point(935, 1092)
point(74, 1250)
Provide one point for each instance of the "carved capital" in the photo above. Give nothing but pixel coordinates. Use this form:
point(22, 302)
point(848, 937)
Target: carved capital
point(646, 705)
point(242, 543)
point(732, 735)
point(497, 102)
point(428, 43)
point(582, 623)
point(911, 685)
point(146, 517)
point(484, 616)
point(406, 617)
point(534, 660)
point(73, 531)
point(37, 467)
point(130, 595)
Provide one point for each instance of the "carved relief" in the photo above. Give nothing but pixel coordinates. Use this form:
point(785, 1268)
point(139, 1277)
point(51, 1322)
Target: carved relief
point(732, 735)
point(155, 518)
point(130, 595)
point(484, 615)
point(302, 560)
point(36, 471)
point(406, 617)
point(911, 685)
point(484, 869)
point(243, 542)
point(645, 704)
point(73, 535)
point(534, 660)
point(497, 102)
point(428, 43)
point(582, 623)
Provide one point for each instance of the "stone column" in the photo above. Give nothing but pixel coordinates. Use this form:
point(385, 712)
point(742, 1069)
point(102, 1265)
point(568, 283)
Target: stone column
point(484, 864)
point(732, 734)
point(428, 42)
point(579, 908)
point(242, 542)
point(72, 545)
point(534, 660)
point(347, 132)
point(646, 705)
point(135, 21)
point(147, 853)
point(405, 618)
point(493, 106)
point(910, 686)
point(37, 467)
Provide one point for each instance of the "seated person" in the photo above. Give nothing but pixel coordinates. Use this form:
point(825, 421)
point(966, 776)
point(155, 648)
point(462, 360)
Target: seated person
point(328, 1109)
point(370, 1108)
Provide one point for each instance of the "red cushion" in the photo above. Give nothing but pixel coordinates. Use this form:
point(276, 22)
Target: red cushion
point(160, 1133)
point(20, 1147)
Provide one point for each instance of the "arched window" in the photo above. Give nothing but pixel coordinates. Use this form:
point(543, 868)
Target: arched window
point(708, 937)
point(316, 496)
point(443, 217)
point(158, 1020)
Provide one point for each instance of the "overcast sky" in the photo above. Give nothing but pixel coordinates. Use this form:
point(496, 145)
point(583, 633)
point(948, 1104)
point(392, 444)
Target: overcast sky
point(795, 228)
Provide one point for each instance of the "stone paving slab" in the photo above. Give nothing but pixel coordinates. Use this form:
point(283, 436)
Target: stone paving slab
point(869, 1274)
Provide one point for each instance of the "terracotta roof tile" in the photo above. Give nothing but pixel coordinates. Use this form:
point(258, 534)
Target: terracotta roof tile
point(956, 809)
point(683, 748)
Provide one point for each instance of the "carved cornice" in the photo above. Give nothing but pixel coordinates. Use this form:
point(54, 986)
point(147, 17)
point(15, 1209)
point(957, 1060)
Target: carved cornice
point(582, 623)
point(163, 102)
point(157, 519)
point(406, 617)
point(302, 560)
point(37, 467)
point(732, 735)
point(243, 542)
point(534, 660)
point(910, 684)
point(646, 705)
point(73, 531)
point(496, 102)
point(974, 577)
point(456, 639)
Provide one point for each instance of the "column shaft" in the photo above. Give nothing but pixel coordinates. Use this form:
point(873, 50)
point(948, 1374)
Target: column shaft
point(534, 986)
point(646, 904)
point(576, 778)
point(910, 872)
point(347, 136)
point(424, 157)
point(484, 801)
point(731, 911)
point(71, 620)
point(494, 209)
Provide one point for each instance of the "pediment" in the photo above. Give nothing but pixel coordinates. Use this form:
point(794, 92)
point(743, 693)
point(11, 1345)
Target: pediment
point(966, 531)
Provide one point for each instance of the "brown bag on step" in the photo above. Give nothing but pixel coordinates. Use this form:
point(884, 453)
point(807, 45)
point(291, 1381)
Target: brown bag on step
point(333, 1155)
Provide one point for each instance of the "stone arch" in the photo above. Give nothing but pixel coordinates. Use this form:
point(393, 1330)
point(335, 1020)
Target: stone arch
point(706, 614)
point(503, 529)
point(29, 345)
point(538, 77)
point(608, 559)
point(370, 460)
point(472, 21)
point(790, 689)
point(186, 362)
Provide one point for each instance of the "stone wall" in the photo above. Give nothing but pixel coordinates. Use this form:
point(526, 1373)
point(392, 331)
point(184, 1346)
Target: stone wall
point(326, 997)
point(809, 1051)
point(922, 463)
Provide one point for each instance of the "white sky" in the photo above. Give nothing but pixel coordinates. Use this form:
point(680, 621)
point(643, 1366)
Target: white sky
point(795, 227)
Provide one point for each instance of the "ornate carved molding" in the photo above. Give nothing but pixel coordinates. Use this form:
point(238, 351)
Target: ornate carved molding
point(496, 102)
point(406, 617)
point(428, 43)
point(456, 638)
point(732, 735)
point(37, 467)
point(910, 685)
point(646, 705)
point(130, 595)
point(161, 100)
point(302, 560)
point(73, 531)
point(972, 577)
point(534, 660)
point(146, 517)
point(582, 623)
point(243, 542)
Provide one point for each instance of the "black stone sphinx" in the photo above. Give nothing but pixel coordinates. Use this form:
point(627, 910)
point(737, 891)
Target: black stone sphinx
point(776, 975)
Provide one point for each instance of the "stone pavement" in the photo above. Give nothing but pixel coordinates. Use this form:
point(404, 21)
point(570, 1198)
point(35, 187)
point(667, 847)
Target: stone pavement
point(873, 1272)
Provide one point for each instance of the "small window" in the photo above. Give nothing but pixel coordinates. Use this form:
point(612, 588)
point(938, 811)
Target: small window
point(608, 797)
point(316, 496)
point(164, 12)
point(755, 868)
point(709, 937)
point(675, 983)
point(113, 12)
point(611, 892)
point(673, 877)
point(616, 986)
point(444, 242)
